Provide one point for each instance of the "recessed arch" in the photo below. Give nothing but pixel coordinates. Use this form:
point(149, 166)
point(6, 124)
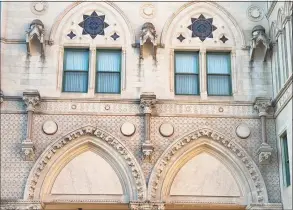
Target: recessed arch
point(253, 188)
point(57, 30)
point(211, 7)
point(57, 155)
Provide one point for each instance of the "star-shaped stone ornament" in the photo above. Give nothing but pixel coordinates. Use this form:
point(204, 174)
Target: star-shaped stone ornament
point(223, 39)
point(202, 27)
point(93, 25)
point(71, 35)
point(115, 36)
point(181, 38)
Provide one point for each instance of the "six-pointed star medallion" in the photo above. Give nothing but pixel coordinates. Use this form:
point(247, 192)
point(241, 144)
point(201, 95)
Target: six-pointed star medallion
point(93, 25)
point(202, 28)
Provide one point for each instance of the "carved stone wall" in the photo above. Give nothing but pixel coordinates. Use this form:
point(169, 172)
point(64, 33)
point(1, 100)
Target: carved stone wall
point(13, 131)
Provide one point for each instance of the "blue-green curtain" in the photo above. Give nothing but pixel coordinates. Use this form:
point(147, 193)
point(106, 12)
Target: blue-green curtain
point(219, 73)
point(76, 66)
point(186, 73)
point(108, 71)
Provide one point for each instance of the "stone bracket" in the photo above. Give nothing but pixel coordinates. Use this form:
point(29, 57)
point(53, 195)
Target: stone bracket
point(28, 150)
point(264, 153)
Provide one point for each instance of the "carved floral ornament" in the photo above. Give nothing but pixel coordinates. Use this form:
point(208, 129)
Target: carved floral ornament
point(165, 160)
point(91, 131)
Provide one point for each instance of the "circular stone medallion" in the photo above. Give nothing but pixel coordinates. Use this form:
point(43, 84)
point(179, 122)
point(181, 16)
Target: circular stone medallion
point(39, 7)
point(255, 13)
point(166, 129)
point(243, 131)
point(50, 127)
point(127, 129)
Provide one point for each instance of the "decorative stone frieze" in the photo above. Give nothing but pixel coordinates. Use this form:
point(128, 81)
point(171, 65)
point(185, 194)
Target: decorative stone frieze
point(21, 205)
point(265, 206)
point(259, 37)
point(36, 30)
point(265, 151)
point(147, 205)
point(31, 99)
point(147, 102)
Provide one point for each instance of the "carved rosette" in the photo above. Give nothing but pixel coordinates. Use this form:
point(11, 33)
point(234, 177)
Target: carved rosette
point(264, 153)
point(31, 99)
point(262, 105)
point(147, 205)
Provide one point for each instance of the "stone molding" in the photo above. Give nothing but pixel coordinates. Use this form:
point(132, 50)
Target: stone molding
point(284, 95)
point(51, 150)
point(265, 206)
point(20, 205)
point(249, 166)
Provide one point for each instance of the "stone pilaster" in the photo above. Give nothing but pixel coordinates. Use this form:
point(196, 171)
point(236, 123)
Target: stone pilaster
point(262, 105)
point(147, 102)
point(31, 99)
point(147, 205)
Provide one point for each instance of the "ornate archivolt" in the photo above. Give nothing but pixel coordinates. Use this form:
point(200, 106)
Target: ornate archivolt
point(176, 29)
point(253, 189)
point(57, 155)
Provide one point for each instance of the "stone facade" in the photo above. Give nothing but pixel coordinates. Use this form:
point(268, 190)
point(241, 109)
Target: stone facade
point(145, 148)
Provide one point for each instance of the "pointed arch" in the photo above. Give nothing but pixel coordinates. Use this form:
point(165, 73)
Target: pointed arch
point(183, 149)
point(190, 7)
point(58, 26)
point(88, 138)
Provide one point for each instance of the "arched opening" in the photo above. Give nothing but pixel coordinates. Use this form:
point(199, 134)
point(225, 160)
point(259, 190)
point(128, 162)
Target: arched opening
point(87, 166)
point(204, 170)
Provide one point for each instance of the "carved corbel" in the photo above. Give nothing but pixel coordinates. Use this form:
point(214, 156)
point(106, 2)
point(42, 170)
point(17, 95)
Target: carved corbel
point(31, 99)
point(36, 30)
point(1, 96)
point(147, 205)
point(259, 38)
point(262, 105)
point(148, 34)
point(147, 102)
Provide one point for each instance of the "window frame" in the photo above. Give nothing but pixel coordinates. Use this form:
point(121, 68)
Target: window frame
point(198, 74)
point(230, 70)
point(97, 72)
point(79, 71)
point(286, 174)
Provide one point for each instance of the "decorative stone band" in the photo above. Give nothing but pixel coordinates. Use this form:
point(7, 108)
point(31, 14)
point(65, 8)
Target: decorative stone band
point(20, 205)
point(239, 153)
point(89, 130)
point(265, 206)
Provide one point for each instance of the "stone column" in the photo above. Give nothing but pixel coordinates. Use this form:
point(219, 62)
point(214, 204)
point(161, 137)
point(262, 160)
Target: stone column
point(60, 68)
point(147, 205)
point(92, 71)
point(31, 99)
point(147, 102)
point(123, 78)
point(262, 105)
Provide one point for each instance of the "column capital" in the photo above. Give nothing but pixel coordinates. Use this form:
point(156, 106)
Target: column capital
point(146, 205)
point(31, 99)
point(147, 102)
point(262, 105)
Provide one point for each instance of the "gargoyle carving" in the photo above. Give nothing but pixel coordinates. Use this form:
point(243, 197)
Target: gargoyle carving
point(36, 30)
point(148, 34)
point(259, 37)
